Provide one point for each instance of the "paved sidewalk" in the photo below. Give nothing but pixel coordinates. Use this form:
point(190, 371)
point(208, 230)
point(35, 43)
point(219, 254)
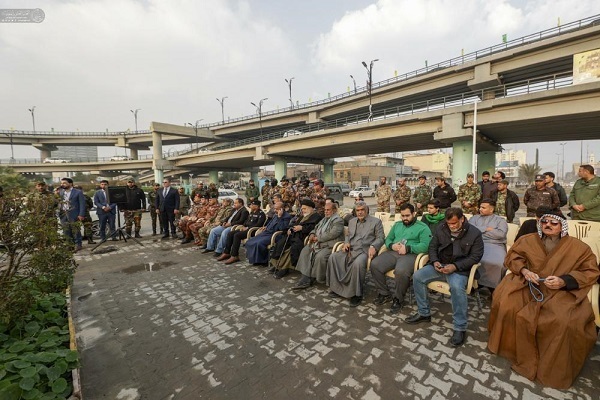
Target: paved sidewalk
point(166, 322)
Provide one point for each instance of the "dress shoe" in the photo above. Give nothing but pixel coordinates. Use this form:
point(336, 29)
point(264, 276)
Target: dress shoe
point(333, 294)
point(458, 338)
point(223, 257)
point(206, 251)
point(174, 236)
point(303, 283)
point(232, 260)
point(202, 247)
point(216, 255)
point(271, 270)
point(186, 240)
point(396, 306)
point(137, 235)
point(165, 237)
point(355, 301)
point(259, 264)
point(281, 273)
point(91, 241)
point(417, 318)
point(382, 299)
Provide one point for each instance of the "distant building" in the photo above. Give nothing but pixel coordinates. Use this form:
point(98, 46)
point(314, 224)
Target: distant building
point(509, 163)
point(431, 164)
point(74, 153)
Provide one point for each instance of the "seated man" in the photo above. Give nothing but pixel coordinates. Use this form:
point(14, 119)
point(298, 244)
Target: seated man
point(407, 238)
point(223, 213)
point(346, 269)
point(208, 213)
point(196, 211)
point(493, 231)
point(312, 262)
point(540, 318)
point(455, 248)
point(257, 247)
point(237, 217)
point(300, 226)
point(231, 248)
point(433, 217)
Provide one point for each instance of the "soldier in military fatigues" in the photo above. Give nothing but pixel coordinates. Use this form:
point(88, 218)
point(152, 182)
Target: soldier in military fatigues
point(213, 190)
point(223, 212)
point(252, 192)
point(195, 212)
point(87, 221)
point(152, 208)
point(288, 197)
point(184, 202)
point(318, 195)
point(469, 195)
point(303, 192)
point(201, 190)
point(273, 190)
point(264, 192)
point(384, 194)
point(540, 195)
point(133, 208)
point(422, 195)
point(401, 195)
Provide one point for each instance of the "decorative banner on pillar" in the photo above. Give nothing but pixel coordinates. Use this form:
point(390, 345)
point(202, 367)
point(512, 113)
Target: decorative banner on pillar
point(586, 67)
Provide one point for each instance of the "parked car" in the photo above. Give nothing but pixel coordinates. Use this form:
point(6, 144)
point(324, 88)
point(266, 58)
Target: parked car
point(335, 192)
point(227, 194)
point(51, 160)
point(291, 132)
point(345, 189)
point(364, 190)
point(120, 158)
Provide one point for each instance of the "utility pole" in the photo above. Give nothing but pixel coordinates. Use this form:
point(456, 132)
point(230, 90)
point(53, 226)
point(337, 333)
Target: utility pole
point(222, 101)
point(369, 69)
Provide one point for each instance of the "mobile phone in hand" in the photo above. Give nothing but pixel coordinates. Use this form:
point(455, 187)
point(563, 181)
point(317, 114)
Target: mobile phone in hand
point(541, 279)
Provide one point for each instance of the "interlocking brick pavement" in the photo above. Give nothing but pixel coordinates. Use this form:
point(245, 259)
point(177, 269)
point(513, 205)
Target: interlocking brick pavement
point(166, 322)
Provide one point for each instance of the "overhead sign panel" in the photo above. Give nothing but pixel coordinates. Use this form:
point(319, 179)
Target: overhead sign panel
point(586, 67)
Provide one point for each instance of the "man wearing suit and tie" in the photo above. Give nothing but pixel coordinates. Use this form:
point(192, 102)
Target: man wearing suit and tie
point(106, 211)
point(72, 211)
point(167, 205)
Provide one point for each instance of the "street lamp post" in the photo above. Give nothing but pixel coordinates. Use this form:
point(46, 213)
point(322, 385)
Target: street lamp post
point(222, 109)
point(135, 112)
point(563, 160)
point(32, 111)
point(259, 111)
point(354, 82)
point(195, 126)
point(289, 82)
point(369, 69)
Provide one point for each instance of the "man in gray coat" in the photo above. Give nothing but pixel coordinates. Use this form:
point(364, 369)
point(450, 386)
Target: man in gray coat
point(346, 269)
point(313, 257)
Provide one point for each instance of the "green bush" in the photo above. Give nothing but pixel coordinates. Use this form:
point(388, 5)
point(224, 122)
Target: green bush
point(35, 360)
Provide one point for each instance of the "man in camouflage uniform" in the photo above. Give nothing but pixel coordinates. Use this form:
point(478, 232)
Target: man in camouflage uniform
point(152, 208)
point(402, 194)
point(252, 192)
point(201, 190)
point(384, 194)
point(540, 195)
point(469, 195)
point(318, 195)
point(264, 192)
point(196, 211)
point(47, 202)
point(287, 194)
point(221, 216)
point(211, 212)
point(134, 206)
point(422, 195)
point(213, 190)
point(273, 190)
point(303, 192)
point(87, 221)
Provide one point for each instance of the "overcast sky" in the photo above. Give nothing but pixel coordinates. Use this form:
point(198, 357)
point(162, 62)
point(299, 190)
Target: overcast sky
point(91, 61)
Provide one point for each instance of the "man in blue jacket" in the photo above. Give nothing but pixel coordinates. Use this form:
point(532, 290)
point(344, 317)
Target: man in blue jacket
point(106, 211)
point(72, 211)
point(455, 248)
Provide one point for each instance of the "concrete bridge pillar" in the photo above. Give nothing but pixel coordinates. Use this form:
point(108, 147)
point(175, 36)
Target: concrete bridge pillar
point(45, 154)
point(157, 160)
point(213, 177)
point(280, 169)
point(134, 154)
point(486, 161)
point(254, 177)
point(328, 171)
point(462, 159)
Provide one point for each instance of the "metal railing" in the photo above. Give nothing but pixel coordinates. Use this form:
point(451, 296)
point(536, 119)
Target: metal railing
point(55, 133)
point(532, 85)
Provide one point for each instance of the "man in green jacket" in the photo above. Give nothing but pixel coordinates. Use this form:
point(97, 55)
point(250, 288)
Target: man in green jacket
point(584, 200)
point(252, 192)
point(407, 238)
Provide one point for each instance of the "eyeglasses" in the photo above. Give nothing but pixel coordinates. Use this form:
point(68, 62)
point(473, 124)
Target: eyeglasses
point(166, 182)
point(550, 221)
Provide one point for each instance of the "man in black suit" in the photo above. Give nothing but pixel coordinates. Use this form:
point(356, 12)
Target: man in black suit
point(167, 205)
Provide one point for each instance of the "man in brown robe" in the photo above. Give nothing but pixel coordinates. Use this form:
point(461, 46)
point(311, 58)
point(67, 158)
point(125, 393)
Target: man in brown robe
point(541, 319)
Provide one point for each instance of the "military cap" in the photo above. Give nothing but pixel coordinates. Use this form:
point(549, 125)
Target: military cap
point(540, 177)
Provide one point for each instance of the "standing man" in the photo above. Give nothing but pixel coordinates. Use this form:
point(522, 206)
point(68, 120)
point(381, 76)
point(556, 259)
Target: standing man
point(318, 195)
point(383, 193)
point(48, 202)
point(407, 238)
point(486, 185)
point(87, 222)
point(444, 193)
point(455, 248)
point(264, 192)
point(288, 196)
point(201, 190)
point(152, 208)
point(252, 192)
point(401, 195)
point(469, 195)
point(346, 269)
point(540, 196)
point(106, 211)
point(584, 200)
point(507, 201)
point(135, 205)
point(562, 195)
point(167, 205)
point(422, 195)
point(72, 211)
